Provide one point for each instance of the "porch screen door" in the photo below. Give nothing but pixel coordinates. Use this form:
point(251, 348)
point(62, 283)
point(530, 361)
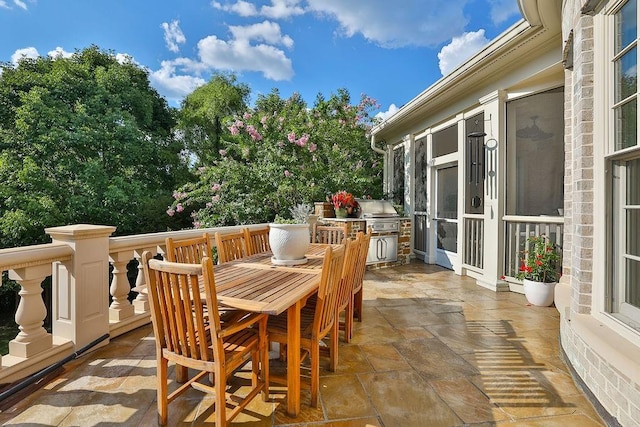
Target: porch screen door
point(446, 218)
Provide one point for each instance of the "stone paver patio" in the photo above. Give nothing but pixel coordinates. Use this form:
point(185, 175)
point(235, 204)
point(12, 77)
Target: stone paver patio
point(434, 349)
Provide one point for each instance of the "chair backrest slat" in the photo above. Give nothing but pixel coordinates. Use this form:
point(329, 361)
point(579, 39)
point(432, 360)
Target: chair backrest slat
point(231, 246)
point(177, 307)
point(361, 265)
point(326, 306)
point(329, 234)
point(257, 240)
point(190, 251)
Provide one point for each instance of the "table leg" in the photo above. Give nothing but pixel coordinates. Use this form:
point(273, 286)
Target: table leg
point(293, 359)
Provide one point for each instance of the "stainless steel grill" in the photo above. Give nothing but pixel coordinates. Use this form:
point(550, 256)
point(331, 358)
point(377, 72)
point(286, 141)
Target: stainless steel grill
point(384, 222)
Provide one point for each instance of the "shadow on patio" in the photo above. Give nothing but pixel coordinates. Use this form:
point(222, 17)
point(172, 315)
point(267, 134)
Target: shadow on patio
point(434, 349)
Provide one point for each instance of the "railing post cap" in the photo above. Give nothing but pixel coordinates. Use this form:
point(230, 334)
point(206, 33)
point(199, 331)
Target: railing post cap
point(79, 231)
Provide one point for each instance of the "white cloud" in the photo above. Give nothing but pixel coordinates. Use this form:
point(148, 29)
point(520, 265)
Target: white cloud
point(59, 52)
point(242, 8)
point(20, 4)
point(4, 5)
point(268, 32)
point(414, 23)
point(281, 9)
point(27, 52)
point(384, 115)
point(250, 48)
point(501, 10)
point(278, 9)
point(240, 55)
point(460, 49)
point(171, 84)
point(173, 35)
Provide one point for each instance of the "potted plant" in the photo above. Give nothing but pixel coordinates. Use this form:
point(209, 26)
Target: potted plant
point(344, 204)
point(539, 270)
point(289, 238)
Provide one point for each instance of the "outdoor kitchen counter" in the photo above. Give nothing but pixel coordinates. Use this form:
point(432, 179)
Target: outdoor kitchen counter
point(402, 233)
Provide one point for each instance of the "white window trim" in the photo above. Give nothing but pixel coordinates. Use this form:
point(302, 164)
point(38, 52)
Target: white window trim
point(602, 133)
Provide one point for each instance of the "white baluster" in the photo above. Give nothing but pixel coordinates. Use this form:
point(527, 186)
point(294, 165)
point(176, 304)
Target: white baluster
point(120, 307)
point(141, 303)
point(32, 338)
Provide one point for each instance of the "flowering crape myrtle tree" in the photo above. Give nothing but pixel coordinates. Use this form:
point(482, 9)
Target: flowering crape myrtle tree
point(281, 153)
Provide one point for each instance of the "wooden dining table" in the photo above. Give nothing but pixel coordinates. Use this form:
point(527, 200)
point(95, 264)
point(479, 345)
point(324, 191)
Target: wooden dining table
point(255, 284)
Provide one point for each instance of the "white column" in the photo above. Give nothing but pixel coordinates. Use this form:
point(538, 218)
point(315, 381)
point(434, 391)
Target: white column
point(32, 338)
point(495, 141)
point(81, 285)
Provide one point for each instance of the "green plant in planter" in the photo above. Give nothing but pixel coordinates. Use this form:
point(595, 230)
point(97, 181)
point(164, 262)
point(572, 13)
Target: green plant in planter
point(541, 262)
point(299, 214)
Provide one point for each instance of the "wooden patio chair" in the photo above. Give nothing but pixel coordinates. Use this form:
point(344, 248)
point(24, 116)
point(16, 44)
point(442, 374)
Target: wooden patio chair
point(257, 240)
point(355, 309)
point(231, 246)
point(352, 274)
point(314, 328)
point(190, 251)
point(330, 234)
point(183, 336)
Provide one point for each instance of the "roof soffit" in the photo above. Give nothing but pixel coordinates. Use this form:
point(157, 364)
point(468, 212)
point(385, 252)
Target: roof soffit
point(500, 57)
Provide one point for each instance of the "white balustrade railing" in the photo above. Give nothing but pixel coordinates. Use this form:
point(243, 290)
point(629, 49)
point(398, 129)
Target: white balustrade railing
point(474, 241)
point(78, 263)
point(519, 228)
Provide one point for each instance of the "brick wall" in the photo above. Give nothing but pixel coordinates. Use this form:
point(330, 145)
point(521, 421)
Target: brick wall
point(614, 391)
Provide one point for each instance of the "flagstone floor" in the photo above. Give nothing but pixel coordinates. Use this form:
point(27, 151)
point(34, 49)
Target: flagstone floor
point(434, 349)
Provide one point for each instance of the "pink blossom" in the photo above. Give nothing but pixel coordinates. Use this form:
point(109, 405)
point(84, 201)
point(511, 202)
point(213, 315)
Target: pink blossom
point(209, 204)
point(303, 140)
point(223, 152)
point(216, 198)
point(291, 137)
point(287, 173)
point(255, 135)
point(239, 124)
point(234, 130)
point(312, 147)
point(215, 187)
point(179, 207)
point(196, 224)
point(246, 116)
point(263, 120)
point(170, 211)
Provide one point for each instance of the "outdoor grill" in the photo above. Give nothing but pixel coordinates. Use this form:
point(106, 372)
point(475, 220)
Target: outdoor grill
point(381, 217)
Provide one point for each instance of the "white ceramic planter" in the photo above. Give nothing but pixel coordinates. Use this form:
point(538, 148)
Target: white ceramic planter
point(538, 293)
point(289, 242)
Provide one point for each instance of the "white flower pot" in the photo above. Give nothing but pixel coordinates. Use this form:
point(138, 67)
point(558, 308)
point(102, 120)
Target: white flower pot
point(289, 242)
point(538, 293)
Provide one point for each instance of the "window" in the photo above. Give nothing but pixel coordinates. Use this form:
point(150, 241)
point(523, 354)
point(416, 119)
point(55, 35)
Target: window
point(445, 141)
point(398, 175)
point(623, 165)
point(535, 154)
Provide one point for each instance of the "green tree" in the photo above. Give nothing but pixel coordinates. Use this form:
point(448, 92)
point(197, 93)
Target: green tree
point(84, 139)
point(205, 109)
point(281, 153)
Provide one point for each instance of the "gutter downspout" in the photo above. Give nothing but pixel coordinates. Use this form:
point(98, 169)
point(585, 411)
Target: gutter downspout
point(385, 165)
point(374, 148)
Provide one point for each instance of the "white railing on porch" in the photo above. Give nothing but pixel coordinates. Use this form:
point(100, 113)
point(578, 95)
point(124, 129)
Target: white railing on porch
point(78, 262)
point(474, 241)
point(519, 228)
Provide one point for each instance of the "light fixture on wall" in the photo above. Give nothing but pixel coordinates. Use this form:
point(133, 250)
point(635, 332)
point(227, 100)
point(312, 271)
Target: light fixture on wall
point(533, 132)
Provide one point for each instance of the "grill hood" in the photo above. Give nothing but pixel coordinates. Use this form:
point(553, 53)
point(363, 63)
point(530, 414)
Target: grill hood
point(376, 208)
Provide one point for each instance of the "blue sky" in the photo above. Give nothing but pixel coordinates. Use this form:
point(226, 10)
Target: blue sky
point(389, 49)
